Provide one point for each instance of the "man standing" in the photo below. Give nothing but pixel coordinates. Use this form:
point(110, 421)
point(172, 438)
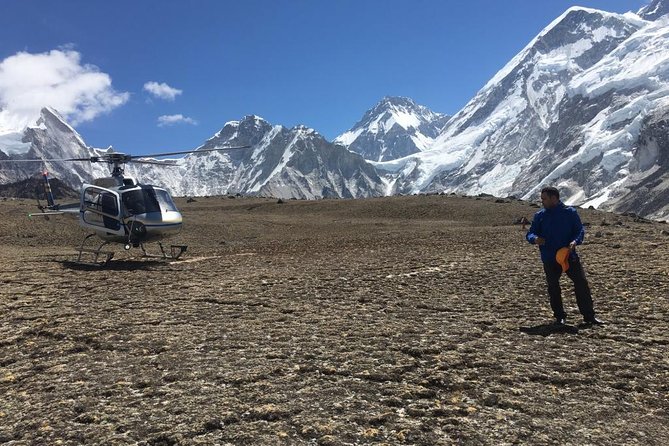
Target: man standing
point(554, 227)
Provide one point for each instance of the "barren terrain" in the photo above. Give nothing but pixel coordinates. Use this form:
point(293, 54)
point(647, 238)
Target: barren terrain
point(407, 320)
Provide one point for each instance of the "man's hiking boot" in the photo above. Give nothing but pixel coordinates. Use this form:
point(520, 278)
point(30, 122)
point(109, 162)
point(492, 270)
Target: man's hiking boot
point(593, 321)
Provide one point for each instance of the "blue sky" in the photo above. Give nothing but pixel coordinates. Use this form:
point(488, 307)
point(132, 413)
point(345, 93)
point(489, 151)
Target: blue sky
point(318, 63)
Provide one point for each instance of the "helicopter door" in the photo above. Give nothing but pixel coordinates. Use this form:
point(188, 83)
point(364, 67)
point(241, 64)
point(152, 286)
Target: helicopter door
point(100, 209)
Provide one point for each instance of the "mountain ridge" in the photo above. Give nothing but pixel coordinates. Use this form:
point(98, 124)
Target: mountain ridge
point(582, 107)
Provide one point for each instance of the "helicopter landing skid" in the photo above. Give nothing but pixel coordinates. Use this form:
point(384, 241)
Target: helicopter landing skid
point(96, 253)
point(174, 254)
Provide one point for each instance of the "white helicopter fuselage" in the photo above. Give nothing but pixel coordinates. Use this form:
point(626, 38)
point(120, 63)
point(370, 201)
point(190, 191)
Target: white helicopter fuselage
point(118, 209)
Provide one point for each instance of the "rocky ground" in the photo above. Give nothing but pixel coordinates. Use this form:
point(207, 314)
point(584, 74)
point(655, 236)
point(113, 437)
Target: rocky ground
point(408, 320)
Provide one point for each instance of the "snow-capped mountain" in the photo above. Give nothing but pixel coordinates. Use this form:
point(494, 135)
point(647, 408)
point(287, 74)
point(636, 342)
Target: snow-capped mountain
point(282, 163)
point(393, 128)
point(584, 106)
point(51, 137)
point(568, 110)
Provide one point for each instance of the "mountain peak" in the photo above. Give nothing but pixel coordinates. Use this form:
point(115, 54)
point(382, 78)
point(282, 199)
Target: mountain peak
point(396, 100)
point(305, 130)
point(574, 41)
point(246, 131)
point(51, 120)
point(253, 118)
point(49, 114)
point(395, 127)
point(655, 10)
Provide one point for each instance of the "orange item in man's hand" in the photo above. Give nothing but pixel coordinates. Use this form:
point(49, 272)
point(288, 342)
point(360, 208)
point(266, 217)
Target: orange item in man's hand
point(562, 257)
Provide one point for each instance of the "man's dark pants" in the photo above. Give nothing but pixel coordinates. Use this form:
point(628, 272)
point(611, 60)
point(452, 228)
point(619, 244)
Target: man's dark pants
point(581, 288)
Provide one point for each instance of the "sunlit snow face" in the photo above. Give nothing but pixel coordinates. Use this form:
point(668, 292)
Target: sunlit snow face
point(549, 201)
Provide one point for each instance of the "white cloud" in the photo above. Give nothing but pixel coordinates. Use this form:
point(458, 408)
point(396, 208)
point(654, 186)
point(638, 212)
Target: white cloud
point(162, 91)
point(166, 120)
point(57, 79)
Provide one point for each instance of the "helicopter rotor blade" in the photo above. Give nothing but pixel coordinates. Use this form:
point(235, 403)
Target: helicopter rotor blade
point(118, 157)
point(45, 159)
point(183, 152)
point(167, 163)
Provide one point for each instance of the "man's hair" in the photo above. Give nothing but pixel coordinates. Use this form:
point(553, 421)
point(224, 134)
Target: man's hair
point(551, 191)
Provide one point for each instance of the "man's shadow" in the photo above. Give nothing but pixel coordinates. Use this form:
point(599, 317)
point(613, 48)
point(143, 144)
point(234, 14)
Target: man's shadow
point(549, 329)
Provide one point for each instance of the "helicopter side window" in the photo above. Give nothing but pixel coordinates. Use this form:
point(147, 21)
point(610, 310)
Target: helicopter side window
point(92, 207)
point(109, 206)
point(100, 209)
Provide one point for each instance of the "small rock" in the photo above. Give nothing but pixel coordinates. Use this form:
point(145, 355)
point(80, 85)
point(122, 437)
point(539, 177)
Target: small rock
point(86, 418)
point(213, 425)
point(328, 440)
point(491, 400)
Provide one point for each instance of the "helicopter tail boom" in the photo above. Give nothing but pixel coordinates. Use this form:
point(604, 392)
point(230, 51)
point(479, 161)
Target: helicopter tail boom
point(52, 208)
point(51, 204)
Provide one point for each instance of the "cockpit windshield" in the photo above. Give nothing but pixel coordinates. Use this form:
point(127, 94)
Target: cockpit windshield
point(165, 200)
point(146, 200)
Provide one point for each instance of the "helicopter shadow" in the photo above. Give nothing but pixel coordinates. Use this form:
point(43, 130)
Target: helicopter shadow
point(114, 265)
point(549, 329)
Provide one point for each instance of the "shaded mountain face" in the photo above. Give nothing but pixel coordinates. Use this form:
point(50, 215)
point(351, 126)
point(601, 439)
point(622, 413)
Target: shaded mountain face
point(655, 10)
point(34, 188)
point(393, 128)
point(646, 189)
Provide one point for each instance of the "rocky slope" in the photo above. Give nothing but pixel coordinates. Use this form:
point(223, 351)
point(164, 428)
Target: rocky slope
point(399, 320)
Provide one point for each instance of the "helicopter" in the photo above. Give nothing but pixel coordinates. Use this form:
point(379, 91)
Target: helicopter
point(118, 209)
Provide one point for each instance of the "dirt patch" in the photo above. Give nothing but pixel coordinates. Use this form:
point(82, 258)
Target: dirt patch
point(405, 320)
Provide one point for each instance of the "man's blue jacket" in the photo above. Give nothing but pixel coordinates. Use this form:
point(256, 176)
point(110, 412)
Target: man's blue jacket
point(559, 226)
